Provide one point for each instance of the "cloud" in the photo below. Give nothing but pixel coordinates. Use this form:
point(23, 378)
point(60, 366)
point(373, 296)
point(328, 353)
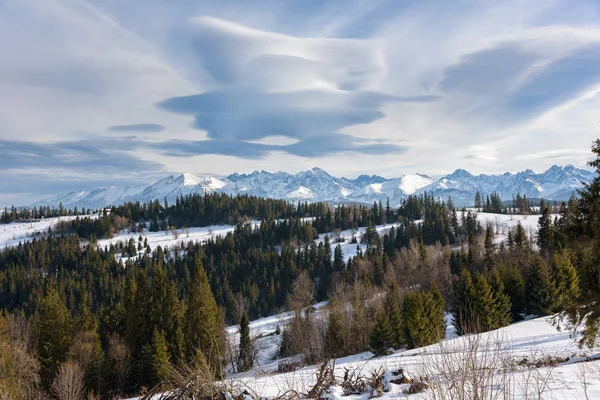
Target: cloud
point(515, 81)
point(233, 54)
point(137, 128)
point(317, 146)
point(273, 85)
point(83, 158)
point(323, 145)
point(557, 82)
point(482, 154)
point(567, 155)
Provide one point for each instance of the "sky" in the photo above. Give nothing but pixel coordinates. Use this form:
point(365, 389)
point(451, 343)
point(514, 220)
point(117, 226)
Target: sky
point(109, 92)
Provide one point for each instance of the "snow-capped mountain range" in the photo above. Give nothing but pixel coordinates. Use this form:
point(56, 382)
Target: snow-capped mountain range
point(557, 183)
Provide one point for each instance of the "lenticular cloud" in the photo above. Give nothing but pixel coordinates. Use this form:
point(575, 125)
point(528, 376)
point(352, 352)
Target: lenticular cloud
point(268, 84)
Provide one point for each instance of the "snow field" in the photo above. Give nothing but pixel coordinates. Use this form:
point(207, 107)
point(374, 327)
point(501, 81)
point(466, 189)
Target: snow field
point(172, 238)
point(19, 232)
point(519, 345)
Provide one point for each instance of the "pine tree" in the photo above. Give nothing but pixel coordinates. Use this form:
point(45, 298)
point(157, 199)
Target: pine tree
point(203, 321)
point(382, 336)
point(53, 328)
point(245, 355)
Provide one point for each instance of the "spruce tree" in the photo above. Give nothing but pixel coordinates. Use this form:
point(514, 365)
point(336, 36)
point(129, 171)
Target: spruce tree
point(489, 245)
point(581, 226)
point(337, 336)
point(157, 355)
point(483, 304)
point(245, 354)
point(53, 328)
point(477, 202)
point(86, 348)
point(382, 336)
point(514, 284)
point(417, 332)
point(394, 311)
point(567, 281)
point(203, 321)
point(436, 307)
point(540, 292)
point(545, 237)
point(520, 237)
point(338, 259)
point(502, 305)
point(463, 310)
point(175, 324)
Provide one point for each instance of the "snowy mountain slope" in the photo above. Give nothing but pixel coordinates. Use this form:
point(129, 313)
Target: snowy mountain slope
point(557, 183)
point(169, 188)
point(532, 340)
point(177, 186)
point(395, 189)
point(20, 232)
point(576, 374)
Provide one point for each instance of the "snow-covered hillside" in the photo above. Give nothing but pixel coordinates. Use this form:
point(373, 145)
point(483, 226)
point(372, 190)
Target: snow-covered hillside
point(531, 359)
point(19, 232)
point(521, 345)
point(171, 238)
point(557, 183)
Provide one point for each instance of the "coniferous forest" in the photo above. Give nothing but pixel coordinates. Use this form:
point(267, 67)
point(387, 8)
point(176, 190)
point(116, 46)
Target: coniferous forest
point(124, 317)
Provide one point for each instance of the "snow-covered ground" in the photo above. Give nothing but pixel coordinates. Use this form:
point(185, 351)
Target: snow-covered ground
point(502, 223)
point(12, 234)
point(521, 344)
point(348, 248)
point(264, 329)
point(19, 232)
point(172, 238)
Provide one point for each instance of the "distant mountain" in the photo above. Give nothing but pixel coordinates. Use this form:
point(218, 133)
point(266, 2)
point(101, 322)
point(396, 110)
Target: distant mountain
point(557, 183)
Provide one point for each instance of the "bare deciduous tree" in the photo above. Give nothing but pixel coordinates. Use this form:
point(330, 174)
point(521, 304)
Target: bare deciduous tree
point(69, 382)
point(119, 357)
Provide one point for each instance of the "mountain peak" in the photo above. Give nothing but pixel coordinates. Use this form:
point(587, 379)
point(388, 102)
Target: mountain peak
point(187, 179)
point(318, 171)
point(461, 173)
